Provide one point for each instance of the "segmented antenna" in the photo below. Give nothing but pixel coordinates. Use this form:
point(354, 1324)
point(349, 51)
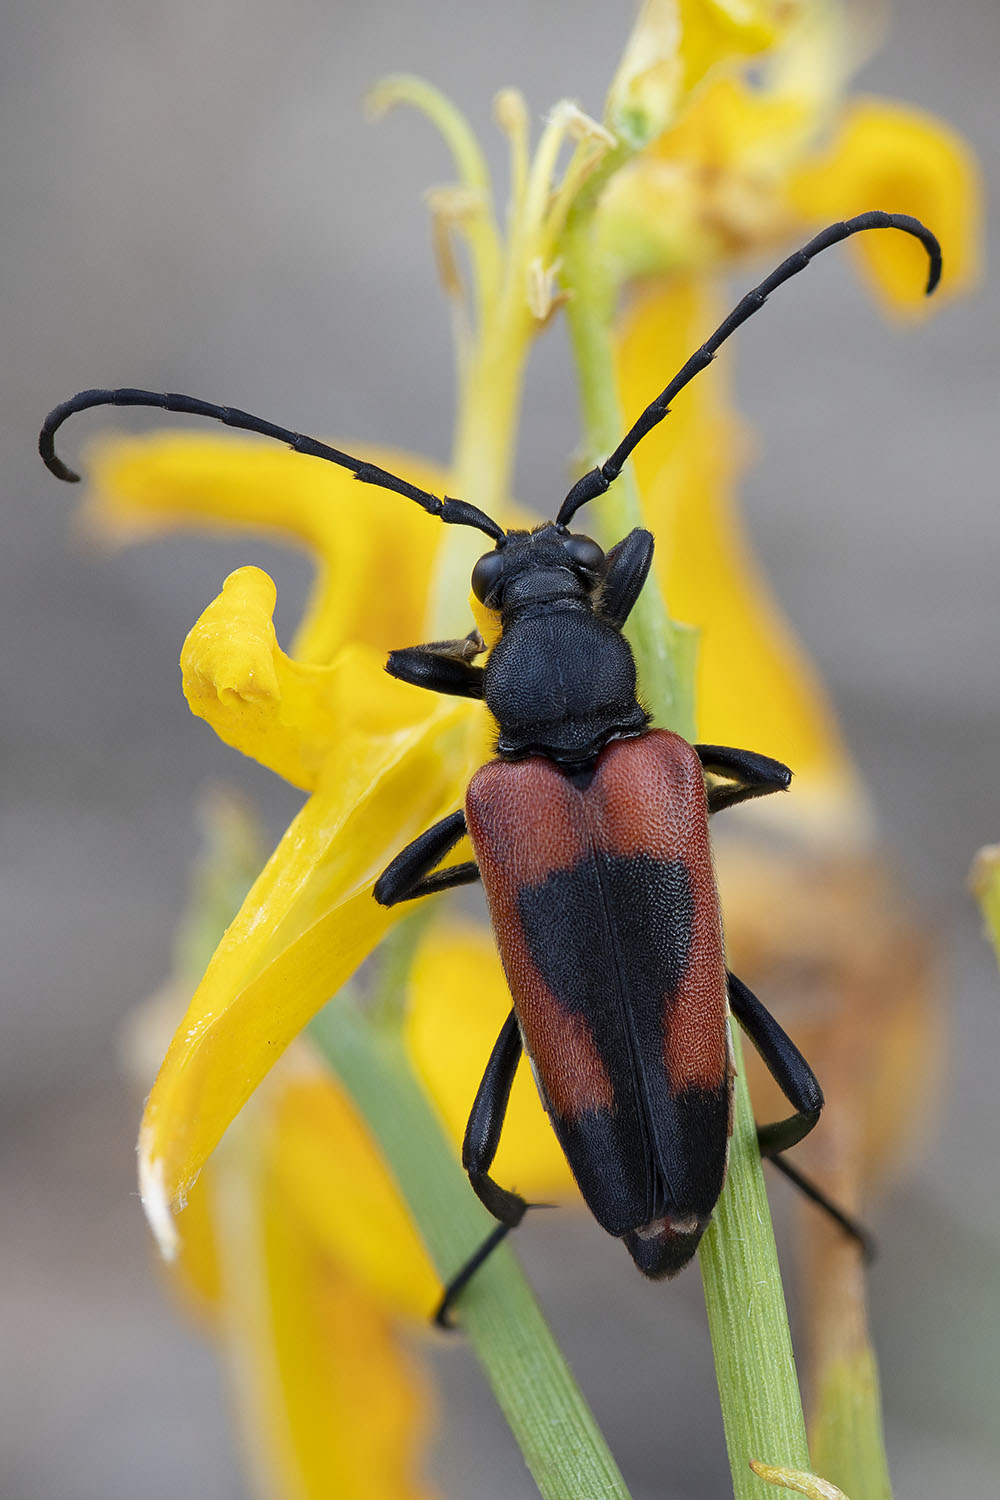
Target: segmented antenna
point(454, 512)
point(598, 480)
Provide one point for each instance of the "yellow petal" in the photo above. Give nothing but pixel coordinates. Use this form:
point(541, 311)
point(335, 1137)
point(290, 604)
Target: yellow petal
point(194, 1274)
point(720, 33)
point(284, 713)
point(305, 926)
point(889, 156)
point(674, 45)
point(329, 1403)
point(330, 1171)
point(374, 550)
point(755, 686)
point(459, 1000)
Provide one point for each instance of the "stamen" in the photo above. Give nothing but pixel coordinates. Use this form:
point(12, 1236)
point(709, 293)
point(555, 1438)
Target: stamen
point(451, 208)
point(543, 294)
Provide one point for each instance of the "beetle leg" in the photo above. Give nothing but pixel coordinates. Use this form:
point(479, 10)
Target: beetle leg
point(743, 775)
point(815, 1194)
point(797, 1082)
point(441, 666)
point(626, 567)
point(482, 1134)
point(482, 1137)
point(786, 1065)
point(408, 876)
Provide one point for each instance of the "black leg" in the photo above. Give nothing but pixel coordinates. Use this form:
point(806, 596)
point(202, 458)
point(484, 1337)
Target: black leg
point(441, 666)
point(742, 774)
point(408, 876)
point(626, 567)
point(797, 1082)
point(786, 1065)
point(482, 1137)
point(482, 1134)
point(815, 1194)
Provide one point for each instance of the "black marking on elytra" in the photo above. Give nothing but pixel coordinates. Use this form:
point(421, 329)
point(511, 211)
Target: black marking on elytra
point(625, 930)
point(648, 905)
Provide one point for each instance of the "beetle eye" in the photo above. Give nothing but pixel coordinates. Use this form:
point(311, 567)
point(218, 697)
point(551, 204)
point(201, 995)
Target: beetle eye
point(584, 553)
point(486, 575)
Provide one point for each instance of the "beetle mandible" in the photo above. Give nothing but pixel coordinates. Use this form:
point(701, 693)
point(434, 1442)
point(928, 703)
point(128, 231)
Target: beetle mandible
point(590, 835)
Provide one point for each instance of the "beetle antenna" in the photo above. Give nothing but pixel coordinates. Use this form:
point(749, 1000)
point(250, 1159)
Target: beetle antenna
point(598, 480)
point(455, 512)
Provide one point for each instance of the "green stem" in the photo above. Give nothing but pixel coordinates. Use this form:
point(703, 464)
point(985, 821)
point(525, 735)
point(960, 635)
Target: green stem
point(754, 1364)
point(664, 648)
point(758, 1389)
point(533, 1385)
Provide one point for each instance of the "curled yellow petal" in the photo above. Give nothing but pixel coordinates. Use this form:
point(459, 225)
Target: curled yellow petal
point(284, 713)
point(755, 687)
point(889, 156)
point(797, 1479)
point(307, 923)
point(373, 549)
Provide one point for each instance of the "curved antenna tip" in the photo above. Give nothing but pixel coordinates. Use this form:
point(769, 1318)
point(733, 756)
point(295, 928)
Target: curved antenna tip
point(927, 238)
point(47, 450)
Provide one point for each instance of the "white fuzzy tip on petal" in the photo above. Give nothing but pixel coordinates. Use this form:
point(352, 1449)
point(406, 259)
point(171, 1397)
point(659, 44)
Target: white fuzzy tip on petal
point(156, 1204)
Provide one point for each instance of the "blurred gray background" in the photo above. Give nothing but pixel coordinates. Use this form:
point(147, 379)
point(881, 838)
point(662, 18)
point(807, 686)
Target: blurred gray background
point(192, 200)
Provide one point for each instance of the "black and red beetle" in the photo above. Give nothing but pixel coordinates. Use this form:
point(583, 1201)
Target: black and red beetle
point(590, 835)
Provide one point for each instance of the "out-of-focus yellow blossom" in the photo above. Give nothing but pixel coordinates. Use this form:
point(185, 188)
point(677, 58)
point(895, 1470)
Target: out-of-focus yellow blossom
point(302, 1298)
point(457, 1004)
point(752, 167)
point(328, 1400)
point(674, 45)
point(755, 686)
point(885, 152)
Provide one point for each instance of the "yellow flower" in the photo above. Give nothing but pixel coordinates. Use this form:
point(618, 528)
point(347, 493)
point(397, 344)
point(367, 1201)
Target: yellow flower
point(302, 1297)
point(328, 1400)
point(888, 153)
point(379, 759)
point(751, 167)
point(674, 45)
point(754, 684)
point(380, 766)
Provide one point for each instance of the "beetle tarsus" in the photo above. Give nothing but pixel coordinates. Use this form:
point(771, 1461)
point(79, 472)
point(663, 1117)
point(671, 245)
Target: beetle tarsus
point(850, 1225)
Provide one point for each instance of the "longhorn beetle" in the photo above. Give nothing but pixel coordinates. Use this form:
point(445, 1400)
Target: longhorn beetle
point(590, 835)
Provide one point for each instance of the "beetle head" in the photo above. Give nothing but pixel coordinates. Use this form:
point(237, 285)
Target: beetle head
point(549, 562)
